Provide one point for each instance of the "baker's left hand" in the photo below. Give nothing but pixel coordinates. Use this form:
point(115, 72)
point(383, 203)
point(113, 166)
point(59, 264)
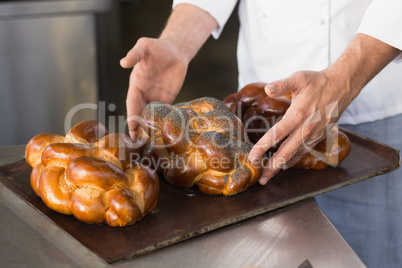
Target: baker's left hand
point(318, 100)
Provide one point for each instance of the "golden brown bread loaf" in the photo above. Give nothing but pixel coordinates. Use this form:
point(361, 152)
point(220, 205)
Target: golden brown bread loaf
point(199, 143)
point(259, 113)
point(88, 174)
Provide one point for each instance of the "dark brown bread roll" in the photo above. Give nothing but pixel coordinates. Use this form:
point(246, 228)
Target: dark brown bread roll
point(260, 112)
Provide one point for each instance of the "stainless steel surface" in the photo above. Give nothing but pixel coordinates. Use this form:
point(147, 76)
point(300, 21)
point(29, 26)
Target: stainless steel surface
point(48, 66)
point(42, 7)
point(284, 238)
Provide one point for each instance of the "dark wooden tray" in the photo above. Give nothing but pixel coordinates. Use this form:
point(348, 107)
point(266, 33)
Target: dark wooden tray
point(185, 213)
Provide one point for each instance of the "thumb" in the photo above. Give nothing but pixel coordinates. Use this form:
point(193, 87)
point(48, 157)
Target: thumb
point(280, 87)
point(131, 59)
point(138, 52)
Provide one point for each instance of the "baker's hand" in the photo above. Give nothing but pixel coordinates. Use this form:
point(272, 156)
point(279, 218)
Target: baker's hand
point(318, 99)
point(158, 73)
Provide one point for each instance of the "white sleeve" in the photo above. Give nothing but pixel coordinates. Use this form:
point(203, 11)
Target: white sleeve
point(219, 9)
point(383, 21)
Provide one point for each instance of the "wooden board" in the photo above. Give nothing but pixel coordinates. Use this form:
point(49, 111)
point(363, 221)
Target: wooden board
point(185, 213)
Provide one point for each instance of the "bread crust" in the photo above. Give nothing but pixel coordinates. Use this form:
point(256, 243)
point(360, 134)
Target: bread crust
point(90, 174)
point(200, 143)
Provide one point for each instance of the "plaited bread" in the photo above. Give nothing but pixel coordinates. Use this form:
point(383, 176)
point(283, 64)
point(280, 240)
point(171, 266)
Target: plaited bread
point(199, 143)
point(260, 112)
point(89, 174)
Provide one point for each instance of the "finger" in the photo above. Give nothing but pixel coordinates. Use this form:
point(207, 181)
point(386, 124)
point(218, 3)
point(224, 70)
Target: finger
point(137, 53)
point(285, 152)
point(299, 155)
point(131, 59)
point(308, 145)
point(135, 104)
point(277, 133)
point(268, 172)
point(280, 87)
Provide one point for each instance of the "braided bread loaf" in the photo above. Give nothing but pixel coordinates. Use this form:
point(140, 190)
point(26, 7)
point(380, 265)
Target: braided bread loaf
point(88, 174)
point(260, 112)
point(199, 143)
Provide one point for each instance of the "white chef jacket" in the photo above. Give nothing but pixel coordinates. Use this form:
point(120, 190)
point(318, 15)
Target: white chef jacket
point(280, 37)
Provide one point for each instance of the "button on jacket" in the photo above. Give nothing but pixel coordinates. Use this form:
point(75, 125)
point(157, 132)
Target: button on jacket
point(280, 37)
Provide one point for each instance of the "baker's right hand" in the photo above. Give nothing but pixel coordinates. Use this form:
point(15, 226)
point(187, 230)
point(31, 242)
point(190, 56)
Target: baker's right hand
point(159, 70)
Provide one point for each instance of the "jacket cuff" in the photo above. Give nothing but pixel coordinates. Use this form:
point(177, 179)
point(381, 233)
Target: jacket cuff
point(220, 10)
point(382, 21)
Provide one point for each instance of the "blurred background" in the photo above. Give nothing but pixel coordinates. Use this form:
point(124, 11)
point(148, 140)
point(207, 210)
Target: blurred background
point(59, 62)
